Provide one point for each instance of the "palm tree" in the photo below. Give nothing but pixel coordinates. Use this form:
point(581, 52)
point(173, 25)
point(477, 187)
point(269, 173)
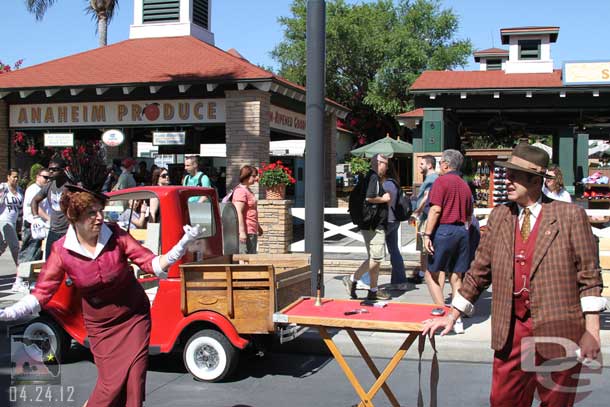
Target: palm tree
point(101, 11)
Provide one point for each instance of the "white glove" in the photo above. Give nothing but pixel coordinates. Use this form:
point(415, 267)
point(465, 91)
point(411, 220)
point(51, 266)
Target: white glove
point(190, 234)
point(25, 306)
point(39, 228)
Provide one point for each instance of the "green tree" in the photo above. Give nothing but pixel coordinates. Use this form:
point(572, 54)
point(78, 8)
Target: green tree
point(101, 11)
point(374, 52)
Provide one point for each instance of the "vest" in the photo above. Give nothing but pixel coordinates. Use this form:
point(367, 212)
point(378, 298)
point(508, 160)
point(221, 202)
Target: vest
point(524, 255)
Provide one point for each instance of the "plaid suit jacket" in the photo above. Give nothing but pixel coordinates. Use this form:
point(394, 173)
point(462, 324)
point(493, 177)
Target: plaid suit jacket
point(565, 268)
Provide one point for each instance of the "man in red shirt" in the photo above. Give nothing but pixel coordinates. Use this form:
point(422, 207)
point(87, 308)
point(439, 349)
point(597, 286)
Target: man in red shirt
point(446, 236)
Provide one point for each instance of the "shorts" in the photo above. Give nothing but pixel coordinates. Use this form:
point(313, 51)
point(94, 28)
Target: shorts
point(451, 251)
point(374, 240)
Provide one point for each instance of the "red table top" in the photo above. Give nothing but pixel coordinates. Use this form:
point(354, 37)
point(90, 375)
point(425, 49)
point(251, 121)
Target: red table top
point(396, 316)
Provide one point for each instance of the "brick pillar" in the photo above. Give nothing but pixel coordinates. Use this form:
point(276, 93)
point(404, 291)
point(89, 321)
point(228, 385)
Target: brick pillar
point(276, 221)
point(330, 160)
point(247, 132)
point(5, 142)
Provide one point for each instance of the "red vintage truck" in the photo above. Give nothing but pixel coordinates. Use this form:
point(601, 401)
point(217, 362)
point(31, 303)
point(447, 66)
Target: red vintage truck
point(213, 303)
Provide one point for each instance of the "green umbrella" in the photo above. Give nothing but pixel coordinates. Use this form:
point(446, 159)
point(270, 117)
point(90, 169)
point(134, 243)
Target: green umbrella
point(386, 146)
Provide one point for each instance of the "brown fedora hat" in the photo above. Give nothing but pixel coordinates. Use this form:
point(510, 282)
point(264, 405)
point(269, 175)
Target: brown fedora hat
point(527, 158)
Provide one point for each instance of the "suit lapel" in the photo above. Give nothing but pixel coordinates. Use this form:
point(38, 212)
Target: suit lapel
point(547, 231)
point(507, 231)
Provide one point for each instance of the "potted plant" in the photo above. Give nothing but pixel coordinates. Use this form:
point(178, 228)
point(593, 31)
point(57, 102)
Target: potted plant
point(274, 177)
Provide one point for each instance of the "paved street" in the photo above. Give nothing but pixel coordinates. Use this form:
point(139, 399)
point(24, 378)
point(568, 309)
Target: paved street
point(301, 373)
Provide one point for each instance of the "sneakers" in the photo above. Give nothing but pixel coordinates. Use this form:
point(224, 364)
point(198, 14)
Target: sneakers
point(458, 327)
point(20, 287)
point(378, 295)
point(360, 285)
point(350, 286)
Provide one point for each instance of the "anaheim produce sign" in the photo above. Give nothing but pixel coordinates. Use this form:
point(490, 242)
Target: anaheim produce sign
point(118, 113)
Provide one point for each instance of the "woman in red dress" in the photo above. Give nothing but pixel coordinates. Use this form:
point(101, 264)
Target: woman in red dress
point(116, 309)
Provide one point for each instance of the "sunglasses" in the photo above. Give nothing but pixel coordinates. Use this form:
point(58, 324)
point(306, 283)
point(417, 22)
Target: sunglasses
point(55, 169)
point(163, 176)
point(46, 177)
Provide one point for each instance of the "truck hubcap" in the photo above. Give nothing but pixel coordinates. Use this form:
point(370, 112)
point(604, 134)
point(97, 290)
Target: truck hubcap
point(206, 357)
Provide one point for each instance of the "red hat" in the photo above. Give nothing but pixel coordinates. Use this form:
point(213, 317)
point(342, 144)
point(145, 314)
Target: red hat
point(128, 162)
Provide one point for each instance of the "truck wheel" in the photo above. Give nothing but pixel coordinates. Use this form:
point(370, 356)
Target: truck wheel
point(57, 340)
point(209, 356)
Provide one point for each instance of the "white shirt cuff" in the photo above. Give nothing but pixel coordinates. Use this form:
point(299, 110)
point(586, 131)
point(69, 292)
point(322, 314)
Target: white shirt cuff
point(158, 270)
point(462, 304)
point(593, 304)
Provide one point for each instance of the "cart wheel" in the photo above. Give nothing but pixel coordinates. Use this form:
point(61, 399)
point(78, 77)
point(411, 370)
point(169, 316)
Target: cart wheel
point(54, 341)
point(209, 356)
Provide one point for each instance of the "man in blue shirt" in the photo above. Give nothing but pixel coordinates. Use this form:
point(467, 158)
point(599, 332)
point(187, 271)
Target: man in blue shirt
point(427, 164)
point(194, 177)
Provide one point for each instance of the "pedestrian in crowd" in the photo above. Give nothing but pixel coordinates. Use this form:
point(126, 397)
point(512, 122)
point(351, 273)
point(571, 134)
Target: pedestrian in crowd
point(126, 179)
point(554, 187)
point(426, 166)
point(446, 235)
point(142, 176)
point(374, 237)
point(541, 257)
point(160, 178)
point(194, 177)
point(398, 279)
point(52, 191)
point(31, 249)
point(11, 204)
point(111, 179)
point(247, 213)
point(391, 184)
point(135, 216)
point(115, 308)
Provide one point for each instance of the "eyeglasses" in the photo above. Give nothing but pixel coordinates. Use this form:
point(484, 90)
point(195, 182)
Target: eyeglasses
point(45, 177)
point(54, 169)
point(163, 176)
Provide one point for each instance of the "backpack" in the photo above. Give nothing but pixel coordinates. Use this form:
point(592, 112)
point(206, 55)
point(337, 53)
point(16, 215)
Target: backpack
point(188, 177)
point(363, 213)
point(229, 196)
point(402, 209)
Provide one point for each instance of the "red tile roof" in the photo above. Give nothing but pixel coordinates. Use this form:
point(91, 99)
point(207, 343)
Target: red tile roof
point(413, 113)
point(137, 61)
point(463, 80)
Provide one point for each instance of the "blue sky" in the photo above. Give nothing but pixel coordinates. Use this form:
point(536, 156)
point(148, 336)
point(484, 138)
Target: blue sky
point(251, 27)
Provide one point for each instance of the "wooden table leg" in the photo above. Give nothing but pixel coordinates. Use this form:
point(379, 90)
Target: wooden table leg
point(366, 400)
point(367, 358)
point(392, 364)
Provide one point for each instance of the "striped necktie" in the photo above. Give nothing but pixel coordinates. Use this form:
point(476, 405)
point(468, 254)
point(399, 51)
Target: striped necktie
point(525, 227)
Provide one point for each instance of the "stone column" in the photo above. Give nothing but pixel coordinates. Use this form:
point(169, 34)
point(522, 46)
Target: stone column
point(330, 160)
point(247, 132)
point(276, 221)
point(5, 142)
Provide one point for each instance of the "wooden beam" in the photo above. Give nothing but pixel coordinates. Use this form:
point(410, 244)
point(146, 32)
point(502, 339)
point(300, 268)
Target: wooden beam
point(128, 89)
point(25, 93)
point(100, 91)
point(183, 88)
point(75, 91)
point(264, 86)
point(50, 92)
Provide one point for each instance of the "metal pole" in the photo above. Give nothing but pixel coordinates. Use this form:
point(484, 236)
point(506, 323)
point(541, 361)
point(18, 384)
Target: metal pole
point(314, 142)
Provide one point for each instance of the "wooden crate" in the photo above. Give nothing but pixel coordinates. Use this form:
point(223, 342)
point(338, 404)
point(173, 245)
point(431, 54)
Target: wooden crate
point(246, 289)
